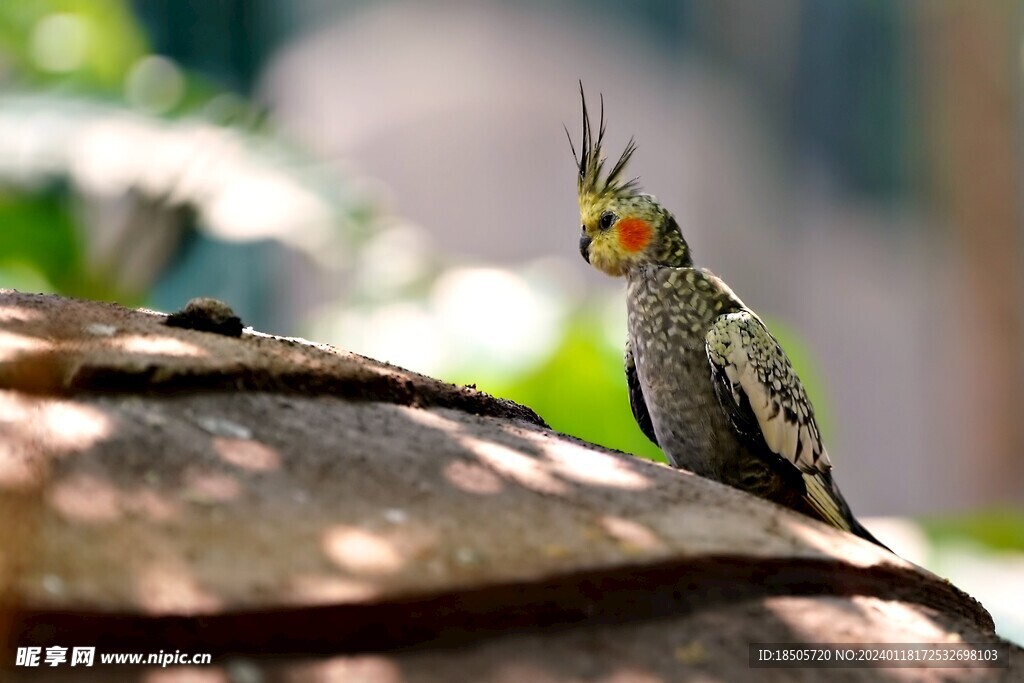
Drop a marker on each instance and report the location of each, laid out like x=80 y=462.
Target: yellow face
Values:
x=617 y=231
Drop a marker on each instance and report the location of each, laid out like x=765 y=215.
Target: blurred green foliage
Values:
x=62 y=63
x=97 y=42
x=103 y=33
x=41 y=249
x=997 y=529
x=39 y=246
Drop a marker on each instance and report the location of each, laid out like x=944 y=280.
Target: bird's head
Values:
x=621 y=228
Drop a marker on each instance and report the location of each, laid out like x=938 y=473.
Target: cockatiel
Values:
x=708 y=383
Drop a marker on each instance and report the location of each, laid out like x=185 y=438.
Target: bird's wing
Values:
x=768 y=406
x=636 y=397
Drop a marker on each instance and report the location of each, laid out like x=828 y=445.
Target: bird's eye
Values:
x=606 y=221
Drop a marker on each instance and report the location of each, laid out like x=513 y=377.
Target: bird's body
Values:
x=669 y=311
x=671 y=314
x=707 y=381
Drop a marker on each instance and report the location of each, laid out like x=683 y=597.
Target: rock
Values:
x=267 y=500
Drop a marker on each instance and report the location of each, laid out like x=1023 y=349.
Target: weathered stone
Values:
x=164 y=488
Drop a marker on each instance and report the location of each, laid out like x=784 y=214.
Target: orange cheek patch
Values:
x=634 y=234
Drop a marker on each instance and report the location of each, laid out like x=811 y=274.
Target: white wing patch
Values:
x=755 y=366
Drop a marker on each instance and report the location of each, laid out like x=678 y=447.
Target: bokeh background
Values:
x=392 y=177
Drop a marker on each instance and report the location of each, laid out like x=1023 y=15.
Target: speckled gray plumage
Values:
x=685 y=326
x=669 y=311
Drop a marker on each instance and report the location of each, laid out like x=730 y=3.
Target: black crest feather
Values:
x=590 y=161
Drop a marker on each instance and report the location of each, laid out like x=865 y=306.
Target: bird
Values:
x=707 y=381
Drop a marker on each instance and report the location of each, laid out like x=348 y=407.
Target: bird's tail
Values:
x=858 y=529
x=828 y=502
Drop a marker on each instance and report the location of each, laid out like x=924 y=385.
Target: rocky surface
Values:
x=267 y=500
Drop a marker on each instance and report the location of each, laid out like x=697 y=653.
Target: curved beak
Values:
x=585 y=247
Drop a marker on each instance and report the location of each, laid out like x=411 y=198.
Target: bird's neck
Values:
x=672 y=251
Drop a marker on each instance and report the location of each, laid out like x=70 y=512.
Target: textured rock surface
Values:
x=53 y=345
x=163 y=488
